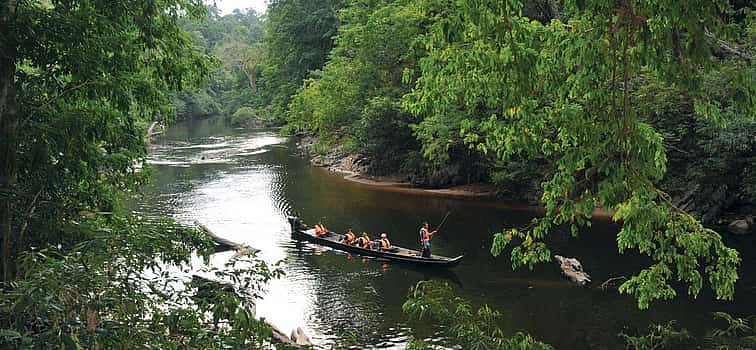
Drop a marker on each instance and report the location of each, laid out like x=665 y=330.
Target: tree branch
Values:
x=59 y=95
x=29 y=213
x=724 y=48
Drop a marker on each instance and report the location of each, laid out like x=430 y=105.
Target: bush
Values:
x=463 y=326
x=245 y=117
x=123 y=289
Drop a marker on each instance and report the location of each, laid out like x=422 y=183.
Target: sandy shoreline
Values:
x=478 y=190
x=351 y=168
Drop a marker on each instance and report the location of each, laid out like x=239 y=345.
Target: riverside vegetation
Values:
x=644 y=108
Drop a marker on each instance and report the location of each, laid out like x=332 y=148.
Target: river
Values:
x=243 y=183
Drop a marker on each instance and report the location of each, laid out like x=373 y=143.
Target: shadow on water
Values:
x=249 y=181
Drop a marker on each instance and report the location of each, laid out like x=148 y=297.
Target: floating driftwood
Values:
x=573 y=270
x=211 y=291
x=612 y=282
x=298 y=336
x=222 y=244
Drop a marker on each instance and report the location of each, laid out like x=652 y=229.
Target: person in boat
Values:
x=349 y=238
x=320 y=230
x=385 y=243
x=364 y=241
x=425 y=238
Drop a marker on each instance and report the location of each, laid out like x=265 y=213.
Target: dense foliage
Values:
x=84 y=78
x=590 y=97
x=641 y=108
x=79 y=82
x=737 y=334
x=235 y=41
x=298 y=38
x=433 y=302
x=124 y=289
x=580 y=115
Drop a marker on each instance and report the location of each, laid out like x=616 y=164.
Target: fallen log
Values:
x=297 y=338
x=222 y=244
x=151 y=131
x=573 y=270
x=612 y=282
x=278 y=335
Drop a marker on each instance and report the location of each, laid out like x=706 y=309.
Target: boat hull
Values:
x=402 y=255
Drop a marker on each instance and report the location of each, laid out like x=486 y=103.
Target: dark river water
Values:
x=242 y=184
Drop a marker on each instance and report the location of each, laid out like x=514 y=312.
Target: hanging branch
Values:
x=27 y=217
x=724 y=48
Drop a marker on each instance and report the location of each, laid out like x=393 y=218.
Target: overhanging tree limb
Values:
x=725 y=49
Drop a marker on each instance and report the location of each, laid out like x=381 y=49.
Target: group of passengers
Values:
x=383 y=244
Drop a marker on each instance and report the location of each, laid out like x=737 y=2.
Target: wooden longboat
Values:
x=399 y=254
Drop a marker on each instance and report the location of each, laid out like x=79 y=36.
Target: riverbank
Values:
x=353 y=167
x=246 y=198
x=717 y=212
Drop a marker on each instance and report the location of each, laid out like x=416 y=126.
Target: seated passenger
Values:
x=364 y=241
x=349 y=238
x=385 y=244
x=320 y=230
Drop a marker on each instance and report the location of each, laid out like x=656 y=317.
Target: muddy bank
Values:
x=718 y=209
x=354 y=168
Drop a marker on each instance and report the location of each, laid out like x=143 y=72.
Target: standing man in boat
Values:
x=425 y=238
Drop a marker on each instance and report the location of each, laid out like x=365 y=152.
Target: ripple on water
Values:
x=247 y=203
x=211 y=150
x=203 y=146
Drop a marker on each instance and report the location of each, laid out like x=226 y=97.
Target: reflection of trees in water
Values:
x=281 y=166
x=352 y=296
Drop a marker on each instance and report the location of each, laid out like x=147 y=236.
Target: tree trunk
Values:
x=250 y=78
x=8 y=137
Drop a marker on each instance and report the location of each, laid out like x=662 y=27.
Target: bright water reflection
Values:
x=242 y=184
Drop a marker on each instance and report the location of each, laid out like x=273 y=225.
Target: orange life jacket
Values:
x=350 y=237
x=425 y=236
x=385 y=244
x=365 y=242
x=320 y=230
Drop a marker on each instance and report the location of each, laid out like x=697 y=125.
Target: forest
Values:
x=644 y=110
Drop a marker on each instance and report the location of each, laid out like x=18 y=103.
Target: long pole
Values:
x=442 y=221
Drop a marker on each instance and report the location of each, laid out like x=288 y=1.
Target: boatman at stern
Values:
x=425 y=238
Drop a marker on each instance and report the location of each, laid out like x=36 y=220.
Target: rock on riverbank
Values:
x=355 y=168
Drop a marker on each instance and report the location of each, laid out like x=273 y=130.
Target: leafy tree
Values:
x=123 y=289
x=355 y=100
x=737 y=335
x=298 y=38
x=665 y=336
x=245 y=116
x=235 y=41
x=465 y=327
x=244 y=58
x=519 y=88
x=79 y=80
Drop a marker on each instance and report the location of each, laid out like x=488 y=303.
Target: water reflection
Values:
x=242 y=184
